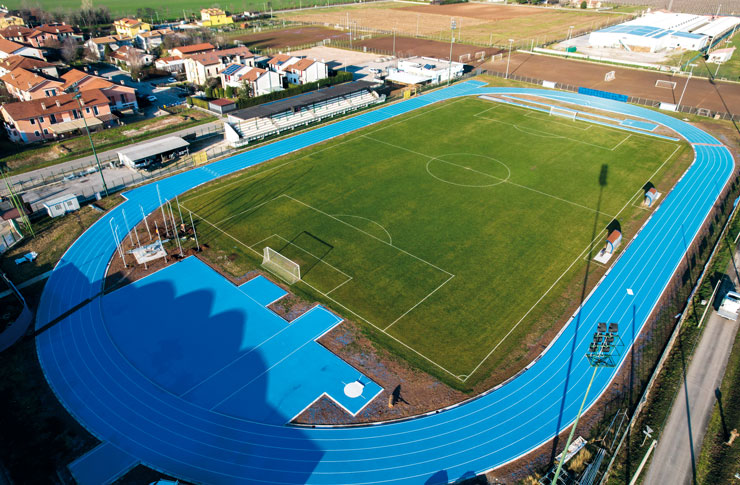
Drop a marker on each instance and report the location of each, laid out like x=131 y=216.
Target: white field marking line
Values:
x=492 y=176
x=248 y=210
x=349 y=138
x=337 y=302
x=542 y=133
x=576 y=260
x=561 y=276
x=261 y=241
x=390 y=239
x=381 y=330
x=370 y=235
x=418 y=303
x=534 y=115
x=339 y=285
x=312 y=255
x=472 y=169
x=625 y=139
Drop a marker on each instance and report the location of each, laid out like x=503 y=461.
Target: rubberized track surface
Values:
x=120 y=405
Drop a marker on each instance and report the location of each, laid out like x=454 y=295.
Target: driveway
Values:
x=680 y=442
x=165 y=95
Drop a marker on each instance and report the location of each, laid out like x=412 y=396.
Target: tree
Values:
x=584 y=4
x=107 y=52
x=229 y=92
x=69 y=50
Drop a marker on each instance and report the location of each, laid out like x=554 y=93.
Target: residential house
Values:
x=130 y=27
x=6 y=20
x=48 y=35
x=201 y=67
x=97 y=45
x=170 y=64
x=119 y=97
x=29 y=64
x=27 y=85
x=305 y=71
x=149 y=41
x=258 y=81
x=213 y=17
x=16 y=33
x=188 y=50
x=279 y=62
x=9 y=48
x=52 y=118
x=131 y=57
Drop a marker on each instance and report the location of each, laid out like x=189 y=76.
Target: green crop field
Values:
x=448 y=232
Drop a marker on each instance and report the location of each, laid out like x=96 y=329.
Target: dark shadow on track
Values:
x=603 y=176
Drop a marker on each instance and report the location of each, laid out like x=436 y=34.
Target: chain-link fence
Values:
x=86 y=166
x=693 y=110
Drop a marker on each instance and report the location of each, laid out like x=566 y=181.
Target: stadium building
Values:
x=660 y=31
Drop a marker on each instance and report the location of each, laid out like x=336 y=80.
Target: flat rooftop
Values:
x=306 y=99
x=144 y=150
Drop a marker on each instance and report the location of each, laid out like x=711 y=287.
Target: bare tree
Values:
x=69 y=50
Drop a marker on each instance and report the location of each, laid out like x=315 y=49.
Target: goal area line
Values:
x=327 y=294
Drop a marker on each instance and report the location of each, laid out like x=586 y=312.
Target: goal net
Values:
x=661 y=83
x=565 y=113
x=464 y=58
x=285 y=268
x=610 y=76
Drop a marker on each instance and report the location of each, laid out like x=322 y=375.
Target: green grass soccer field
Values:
x=448 y=231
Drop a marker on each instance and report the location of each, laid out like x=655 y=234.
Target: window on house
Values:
x=41 y=119
x=52 y=118
x=123 y=98
x=87 y=110
x=95 y=110
x=33 y=121
x=46 y=132
x=36 y=133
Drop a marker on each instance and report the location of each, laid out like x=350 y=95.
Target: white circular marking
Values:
x=354 y=389
x=498 y=180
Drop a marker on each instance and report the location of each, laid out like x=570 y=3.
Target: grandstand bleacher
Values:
x=257 y=122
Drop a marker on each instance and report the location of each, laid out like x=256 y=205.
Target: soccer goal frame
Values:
x=610 y=76
x=662 y=83
x=564 y=113
x=283 y=267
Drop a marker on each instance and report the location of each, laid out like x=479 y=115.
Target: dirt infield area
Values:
x=410 y=47
x=292 y=37
x=475 y=23
x=700 y=93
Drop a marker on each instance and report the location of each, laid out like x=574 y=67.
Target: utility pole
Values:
x=509 y=58
x=77 y=96
x=452 y=41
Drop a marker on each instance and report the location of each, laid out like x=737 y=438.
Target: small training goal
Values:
x=662 y=83
x=283 y=267
x=610 y=76
x=565 y=113
x=465 y=58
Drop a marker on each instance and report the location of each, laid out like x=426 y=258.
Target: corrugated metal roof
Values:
x=144 y=150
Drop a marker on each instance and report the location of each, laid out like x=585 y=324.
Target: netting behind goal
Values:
x=285 y=268
x=565 y=113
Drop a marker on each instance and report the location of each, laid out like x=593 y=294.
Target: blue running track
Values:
x=122 y=406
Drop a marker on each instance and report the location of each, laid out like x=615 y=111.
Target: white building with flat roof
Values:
x=423 y=70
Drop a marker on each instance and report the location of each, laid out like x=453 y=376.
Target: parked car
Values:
x=171 y=80
x=151 y=98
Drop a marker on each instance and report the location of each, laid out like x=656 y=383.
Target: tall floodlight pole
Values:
x=508 y=60
x=686 y=85
x=452 y=41
x=601 y=352
x=77 y=96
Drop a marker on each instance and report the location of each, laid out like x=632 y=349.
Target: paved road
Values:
x=85 y=162
x=680 y=442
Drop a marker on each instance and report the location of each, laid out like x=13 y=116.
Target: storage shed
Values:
x=222 y=106
x=651 y=196
x=144 y=154
x=61 y=205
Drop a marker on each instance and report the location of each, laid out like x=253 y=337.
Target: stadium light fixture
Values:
x=511 y=41
x=605 y=345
